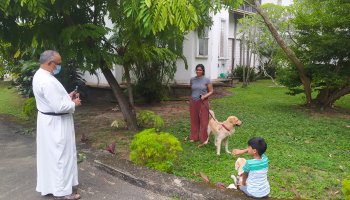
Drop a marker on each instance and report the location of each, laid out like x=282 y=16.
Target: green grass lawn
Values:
x=11 y=103
x=309 y=152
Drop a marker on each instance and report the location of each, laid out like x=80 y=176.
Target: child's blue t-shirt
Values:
x=257 y=184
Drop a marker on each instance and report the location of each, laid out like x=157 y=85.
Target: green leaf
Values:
x=148 y=3
x=17 y=54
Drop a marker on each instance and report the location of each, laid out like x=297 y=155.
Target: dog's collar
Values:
x=223 y=125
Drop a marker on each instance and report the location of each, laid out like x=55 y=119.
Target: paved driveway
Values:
x=18 y=173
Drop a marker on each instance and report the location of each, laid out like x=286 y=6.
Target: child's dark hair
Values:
x=202 y=67
x=259 y=144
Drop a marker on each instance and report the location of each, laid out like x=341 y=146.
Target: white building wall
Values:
x=237 y=52
x=221 y=64
x=99 y=80
x=182 y=74
x=213 y=65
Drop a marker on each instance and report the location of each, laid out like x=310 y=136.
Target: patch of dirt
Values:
x=93 y=122
x=331 y=112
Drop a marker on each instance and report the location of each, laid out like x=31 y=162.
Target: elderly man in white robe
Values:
x=57 y=170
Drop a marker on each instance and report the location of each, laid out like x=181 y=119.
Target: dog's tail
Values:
x=212 y=115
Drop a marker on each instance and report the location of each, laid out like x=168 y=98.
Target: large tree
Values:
x=286 y=48
x=318 y=56
x=76 y=28
x=322 y=43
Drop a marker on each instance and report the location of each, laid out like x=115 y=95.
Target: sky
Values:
x=284 y=2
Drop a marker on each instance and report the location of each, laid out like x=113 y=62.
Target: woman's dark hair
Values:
x=259 y=144
x=202 y=67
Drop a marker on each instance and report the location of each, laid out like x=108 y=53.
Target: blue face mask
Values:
x=57 y=70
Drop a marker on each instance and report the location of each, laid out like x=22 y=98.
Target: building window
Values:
x=223 y=38
x=203 y=43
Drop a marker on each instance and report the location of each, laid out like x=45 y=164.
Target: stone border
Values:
x=162 y=183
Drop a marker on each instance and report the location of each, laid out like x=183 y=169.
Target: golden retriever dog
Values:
x=221 y=130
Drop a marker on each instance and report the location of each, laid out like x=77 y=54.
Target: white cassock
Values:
x=57 y=168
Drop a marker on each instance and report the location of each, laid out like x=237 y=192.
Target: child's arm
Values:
x=237 y=152
x=244 y=178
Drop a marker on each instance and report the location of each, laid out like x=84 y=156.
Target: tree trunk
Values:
x=240 y=52
x=327 y=98
x=127 y=110
x=243 y=53
x=254 y=61
x=290 y=53
x=248 y=62
x=128 y=85
x=250 y=54
x=244 y=61
x=342 y=92
x=264 y=70
x=322 y=97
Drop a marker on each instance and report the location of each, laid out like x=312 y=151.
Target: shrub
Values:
x=119 y=124
x=70 y=77
x=287 y=76
x=238 y=72
x=346 y=188
x=29 y=108
x=149 y=90
x=148 y=119
x=2 y=72
x=156 y=151
x=153 y=76
x=24 y=73
x=270 y=70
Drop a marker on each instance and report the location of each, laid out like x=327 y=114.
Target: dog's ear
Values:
x=235 y=120
x=232 y=119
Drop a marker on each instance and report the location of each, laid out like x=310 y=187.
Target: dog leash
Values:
x=200 y=96
x=223 y=125
x=212 y=115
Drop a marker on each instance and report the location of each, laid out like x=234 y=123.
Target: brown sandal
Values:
x=69 y=197
x=201 y=144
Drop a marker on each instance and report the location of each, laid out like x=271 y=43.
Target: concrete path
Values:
x=18 y=173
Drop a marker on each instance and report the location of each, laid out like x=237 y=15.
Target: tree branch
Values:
x=290 y=53
x=290 y=36
x=337 y=95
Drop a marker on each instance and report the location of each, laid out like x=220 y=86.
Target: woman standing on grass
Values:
x=201 y=89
